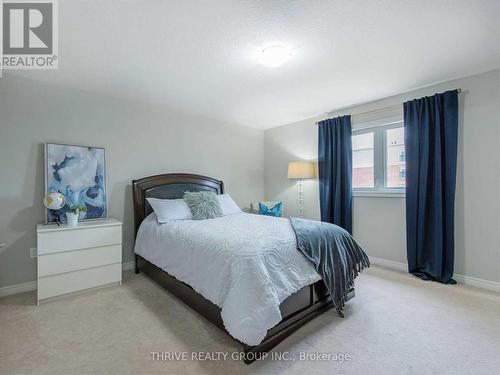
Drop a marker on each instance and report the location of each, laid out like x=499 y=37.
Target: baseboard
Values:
x=128 y=266
x=389 y=264
x=31 y=285
x=17 y=288
x=461 y=279
x=478 y=283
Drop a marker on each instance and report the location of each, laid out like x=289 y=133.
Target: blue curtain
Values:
x=335 y=171
x=431 y=134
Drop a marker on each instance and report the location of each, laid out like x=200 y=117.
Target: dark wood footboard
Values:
x=296 y=310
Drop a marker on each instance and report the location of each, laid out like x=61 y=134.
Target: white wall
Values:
x=140 y=141
x=379 y=223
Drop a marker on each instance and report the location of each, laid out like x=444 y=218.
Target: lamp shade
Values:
x=300 y=169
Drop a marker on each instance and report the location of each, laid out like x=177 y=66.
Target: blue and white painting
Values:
x=78 y=173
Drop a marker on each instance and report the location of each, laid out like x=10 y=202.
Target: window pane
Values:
x=362 y=161
x=395 y=153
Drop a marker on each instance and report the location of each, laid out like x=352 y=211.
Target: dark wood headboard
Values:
x=168 y=186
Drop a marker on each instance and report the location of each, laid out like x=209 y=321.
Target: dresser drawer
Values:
x=64 y=283
x=66 y=240
x=51 y=264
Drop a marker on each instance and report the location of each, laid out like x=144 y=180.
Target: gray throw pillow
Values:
x=203 y=205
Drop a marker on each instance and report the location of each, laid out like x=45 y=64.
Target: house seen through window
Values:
x=378 y=158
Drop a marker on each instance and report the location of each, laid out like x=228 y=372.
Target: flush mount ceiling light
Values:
x=274 y=56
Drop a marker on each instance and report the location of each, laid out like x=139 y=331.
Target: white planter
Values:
x=72 y=219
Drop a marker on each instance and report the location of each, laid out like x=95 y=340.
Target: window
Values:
x=395 y=156
x=378 y=159
x=362 y=161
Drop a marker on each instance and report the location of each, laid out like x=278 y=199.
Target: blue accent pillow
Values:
x=271 y=208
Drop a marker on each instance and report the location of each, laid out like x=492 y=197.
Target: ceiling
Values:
x=199 y=56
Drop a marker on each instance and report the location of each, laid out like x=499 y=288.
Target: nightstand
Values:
x=72 y=259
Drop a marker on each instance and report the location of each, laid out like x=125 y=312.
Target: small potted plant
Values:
x=82 y=211
x=72 y=215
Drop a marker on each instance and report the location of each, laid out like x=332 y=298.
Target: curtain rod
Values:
x=459 y=90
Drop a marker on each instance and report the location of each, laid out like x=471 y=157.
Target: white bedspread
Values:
x=246 y=264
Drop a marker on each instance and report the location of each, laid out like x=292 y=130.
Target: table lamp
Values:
x=300 y=170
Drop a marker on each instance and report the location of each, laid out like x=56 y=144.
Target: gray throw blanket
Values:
x=334 y=253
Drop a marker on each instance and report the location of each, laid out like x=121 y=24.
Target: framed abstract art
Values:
x=78 y=173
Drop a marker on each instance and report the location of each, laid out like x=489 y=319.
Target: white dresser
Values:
x=71 y=259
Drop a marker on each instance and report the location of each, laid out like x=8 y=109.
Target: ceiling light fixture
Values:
x=274 y=56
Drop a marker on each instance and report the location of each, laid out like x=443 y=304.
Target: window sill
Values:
x=379 y=194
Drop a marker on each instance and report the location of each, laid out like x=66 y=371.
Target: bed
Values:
x=310 y=297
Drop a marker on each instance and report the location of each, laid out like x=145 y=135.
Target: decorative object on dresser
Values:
x=73 y=214
x=300 y=170
x=72 y=259
x=79 y=174
x=54 y=201
x=271 y=208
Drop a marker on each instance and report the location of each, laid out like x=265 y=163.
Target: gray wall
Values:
x=32 y=113
x=140 y=140
x=379 y=223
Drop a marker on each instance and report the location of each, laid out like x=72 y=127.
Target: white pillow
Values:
x=229 y=207
x=170 y=209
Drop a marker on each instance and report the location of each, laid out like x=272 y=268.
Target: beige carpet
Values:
x=397 y=324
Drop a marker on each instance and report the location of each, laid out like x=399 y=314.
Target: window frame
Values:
x=379 y=162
